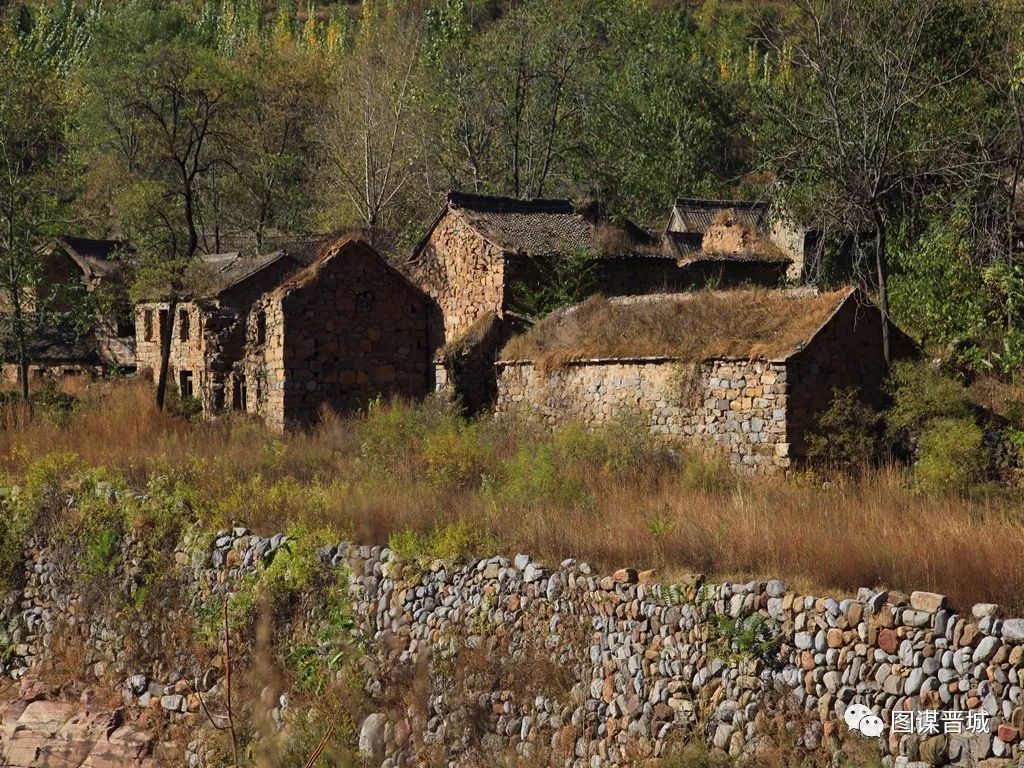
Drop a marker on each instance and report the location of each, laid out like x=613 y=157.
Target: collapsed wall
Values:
x=602 y=669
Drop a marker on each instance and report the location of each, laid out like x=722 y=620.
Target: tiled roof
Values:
x=535 y=227
x=230 y=269
x=59 y=342
x=695 y=216
x=93 y=256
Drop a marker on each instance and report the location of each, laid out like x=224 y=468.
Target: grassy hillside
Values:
x=428 y=481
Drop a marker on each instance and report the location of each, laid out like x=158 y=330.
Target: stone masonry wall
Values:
x=463 y=273
x=736 y=407
x=646 y=662
x=353 y=330
x=187 y=355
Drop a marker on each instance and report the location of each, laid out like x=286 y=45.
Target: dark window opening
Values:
x=163 y=325
x=185 y=384
x=364 y=300
x=148 y=324
x=238 y=394
x=184 y=328
x=218 y=397
x=125 y=326
x=261 y=327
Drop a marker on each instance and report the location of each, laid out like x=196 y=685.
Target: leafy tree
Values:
x=268 y=187
x=165 y=110
x=871 y=117
x=33 y=133
x=665 y=125
x=367 y=149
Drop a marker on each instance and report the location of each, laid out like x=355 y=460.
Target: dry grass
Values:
x=996 y=396
x=754 y=323
x=483 y=328
x=612 y=239
x=613 y=499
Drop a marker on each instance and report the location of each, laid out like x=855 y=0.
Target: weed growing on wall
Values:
x=325 y=642
x=752 y=638
x=24 y=509
x=450 y=542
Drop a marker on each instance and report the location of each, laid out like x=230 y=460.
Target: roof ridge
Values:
x=497 y=204
x=709 y=203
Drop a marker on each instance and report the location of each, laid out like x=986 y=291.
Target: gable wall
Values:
x=737 y=408
x=463 y=273
x=845 y=354
x=355 y=332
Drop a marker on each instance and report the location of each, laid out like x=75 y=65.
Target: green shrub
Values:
x=709 y=473
x=532 y=478
x=458 y=456
x=846 y=435
x=950 y=455
x=919 y=394
x=450 y=541
x=100 y=549
x=255 y=499
x=294 y=568
x=324 y=643
x=25 y=510
x=391 y=433
x=624 y=447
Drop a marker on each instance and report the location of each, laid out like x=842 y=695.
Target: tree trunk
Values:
x=882 y=270
x=23 y=367
x=166 y=335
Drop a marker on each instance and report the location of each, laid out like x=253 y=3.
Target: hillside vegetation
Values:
x=431 y=483
x=893 y=129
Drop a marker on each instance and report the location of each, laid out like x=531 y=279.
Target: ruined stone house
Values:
x=71 y=267
x=209 y=331
x=742 y=372
x=691 y=221
x=324 y=321
x=483 y=257
x=347 y=329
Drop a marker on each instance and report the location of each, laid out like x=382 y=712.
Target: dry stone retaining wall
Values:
x=648 y=662
x=738 y=407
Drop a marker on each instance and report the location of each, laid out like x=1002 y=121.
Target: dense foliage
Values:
x=894 y=128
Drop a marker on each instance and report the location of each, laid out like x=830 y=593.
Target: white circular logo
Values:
x=854 y=714
x=859 y=718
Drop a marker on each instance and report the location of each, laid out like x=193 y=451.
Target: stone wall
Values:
x=737 y=407
x=846 y=354
x=347 y=330
x=643 y=663
x=463 y=273
x=186 y=355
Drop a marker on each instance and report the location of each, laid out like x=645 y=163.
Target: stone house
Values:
x=691 y=219
x=72 y=266
x=483 y=257
x=209 y=331
x=743 y=372
x=345 y=330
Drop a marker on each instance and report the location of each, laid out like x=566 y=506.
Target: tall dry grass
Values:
x=614 y=499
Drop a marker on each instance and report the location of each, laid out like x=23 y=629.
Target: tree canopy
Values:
x=895 y=128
